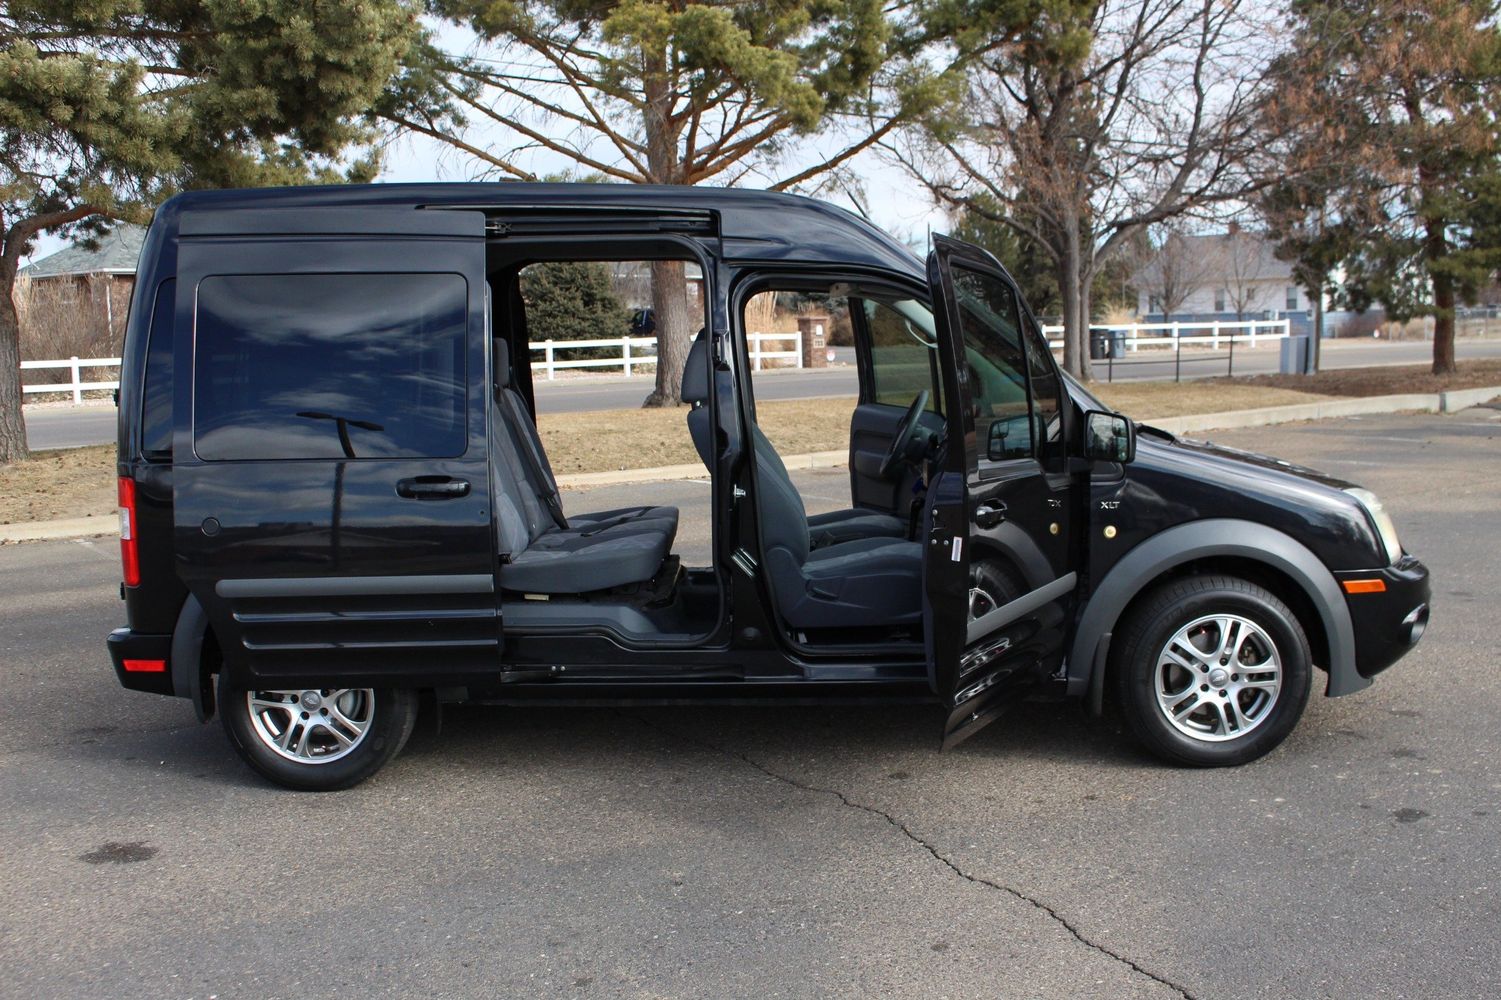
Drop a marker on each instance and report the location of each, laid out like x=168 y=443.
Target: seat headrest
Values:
x=696 y=371
x=502 y=364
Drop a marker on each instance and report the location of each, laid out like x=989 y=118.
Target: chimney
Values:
x=1234 y=228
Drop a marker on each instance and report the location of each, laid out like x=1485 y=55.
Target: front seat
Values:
x=861 y=581
x=830 y=528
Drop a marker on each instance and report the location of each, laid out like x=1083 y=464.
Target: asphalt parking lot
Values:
x=728 y=852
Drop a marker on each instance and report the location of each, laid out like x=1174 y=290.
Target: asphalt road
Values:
x=70 y=427
x=789 y=852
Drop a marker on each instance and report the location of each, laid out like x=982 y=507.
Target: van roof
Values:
x=753 y=225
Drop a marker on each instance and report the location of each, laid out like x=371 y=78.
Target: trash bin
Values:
x=1099 y=345
x=1117 y=344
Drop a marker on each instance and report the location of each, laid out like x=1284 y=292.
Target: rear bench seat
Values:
x=545 y=552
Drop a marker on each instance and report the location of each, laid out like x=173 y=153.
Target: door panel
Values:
x=872 y=428
x=331 y=473
x=998 y=583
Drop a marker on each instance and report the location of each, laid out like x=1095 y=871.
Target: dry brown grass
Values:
x=1387 y=381
x=1147 y=400
x=609 y=440
x=76 y=482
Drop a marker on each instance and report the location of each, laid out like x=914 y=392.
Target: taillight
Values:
x=130 y=557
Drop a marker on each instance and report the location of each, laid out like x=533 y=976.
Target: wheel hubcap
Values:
x=1218 y=678
x=311 y=726
x=981 y=602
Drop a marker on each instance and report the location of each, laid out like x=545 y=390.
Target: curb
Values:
x=1441 y=402
x=71 y=527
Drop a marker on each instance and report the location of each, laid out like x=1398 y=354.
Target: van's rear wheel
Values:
x=317 y=739
x=1212 y=671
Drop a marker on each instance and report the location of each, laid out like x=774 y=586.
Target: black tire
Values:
x=392 y=718
x=989 y=588
x=1137 y=655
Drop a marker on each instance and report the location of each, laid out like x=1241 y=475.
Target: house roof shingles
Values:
x=117 y=253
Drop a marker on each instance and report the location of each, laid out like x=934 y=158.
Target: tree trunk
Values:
x=1086 y=317
x=1075 y=302
x=1443 y=300
x=669 y=299
x=12 y=423
x=1318 y=326
x=669 y=285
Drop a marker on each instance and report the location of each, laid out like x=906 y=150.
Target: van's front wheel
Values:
x=317 y=739
x=1212 y=671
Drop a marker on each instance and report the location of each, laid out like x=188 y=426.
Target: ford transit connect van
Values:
x=335 y=500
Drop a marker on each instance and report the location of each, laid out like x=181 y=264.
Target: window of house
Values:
x=1219 y=300
x=1292 y=296
x=1154 y=304
x=330 y=366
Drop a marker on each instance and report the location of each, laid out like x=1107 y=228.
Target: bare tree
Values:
x=1243 y=256
x=1156 y=122
x=665 y=93
x=1177 y=267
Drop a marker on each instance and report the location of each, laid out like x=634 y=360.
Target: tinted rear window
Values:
x=330 y=366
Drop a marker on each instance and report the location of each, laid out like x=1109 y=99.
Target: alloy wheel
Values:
x=312 y=726
x=1218 y=678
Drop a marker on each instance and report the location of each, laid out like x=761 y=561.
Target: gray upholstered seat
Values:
x=852 y=582
x=829 y=528
x=545 y=552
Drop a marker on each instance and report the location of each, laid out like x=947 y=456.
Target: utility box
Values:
x=1296 y=357
x=815 y=331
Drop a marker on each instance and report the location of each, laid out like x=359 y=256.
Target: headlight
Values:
x=1383 y=521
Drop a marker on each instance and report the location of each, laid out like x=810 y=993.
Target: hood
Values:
x=1232 y=460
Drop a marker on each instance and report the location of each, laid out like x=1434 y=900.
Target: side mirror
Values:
x=995 y=448
x=1109 y=437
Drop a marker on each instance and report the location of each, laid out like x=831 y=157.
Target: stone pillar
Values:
x=815 y=331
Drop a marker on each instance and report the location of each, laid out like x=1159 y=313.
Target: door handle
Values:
x=432 y=488
x=988 y=515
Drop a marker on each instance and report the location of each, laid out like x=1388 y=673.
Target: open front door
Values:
x=996 y=566
x=331 y=484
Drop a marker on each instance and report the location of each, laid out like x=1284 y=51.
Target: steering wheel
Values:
x=906 y=433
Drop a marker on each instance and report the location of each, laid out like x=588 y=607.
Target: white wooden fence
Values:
x=1201 y=332
x=759 y=353
x=635 y=351
x=643 y=351
x=76 y=386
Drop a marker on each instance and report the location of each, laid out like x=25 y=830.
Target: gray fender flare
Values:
x=1202 y=540
x=188 y=679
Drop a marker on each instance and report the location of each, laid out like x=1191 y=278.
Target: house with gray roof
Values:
x=1228 y=276
x=81 y=286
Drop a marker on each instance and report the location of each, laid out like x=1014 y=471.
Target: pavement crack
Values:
x=943 y=859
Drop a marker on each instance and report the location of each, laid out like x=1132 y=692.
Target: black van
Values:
x=335 y=500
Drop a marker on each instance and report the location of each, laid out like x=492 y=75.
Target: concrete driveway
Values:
x=789 y=852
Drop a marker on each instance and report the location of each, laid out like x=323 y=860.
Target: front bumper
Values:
x=1390 y=621
x=142 y=662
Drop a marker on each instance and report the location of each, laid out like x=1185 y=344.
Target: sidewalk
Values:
x=1443 y=402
